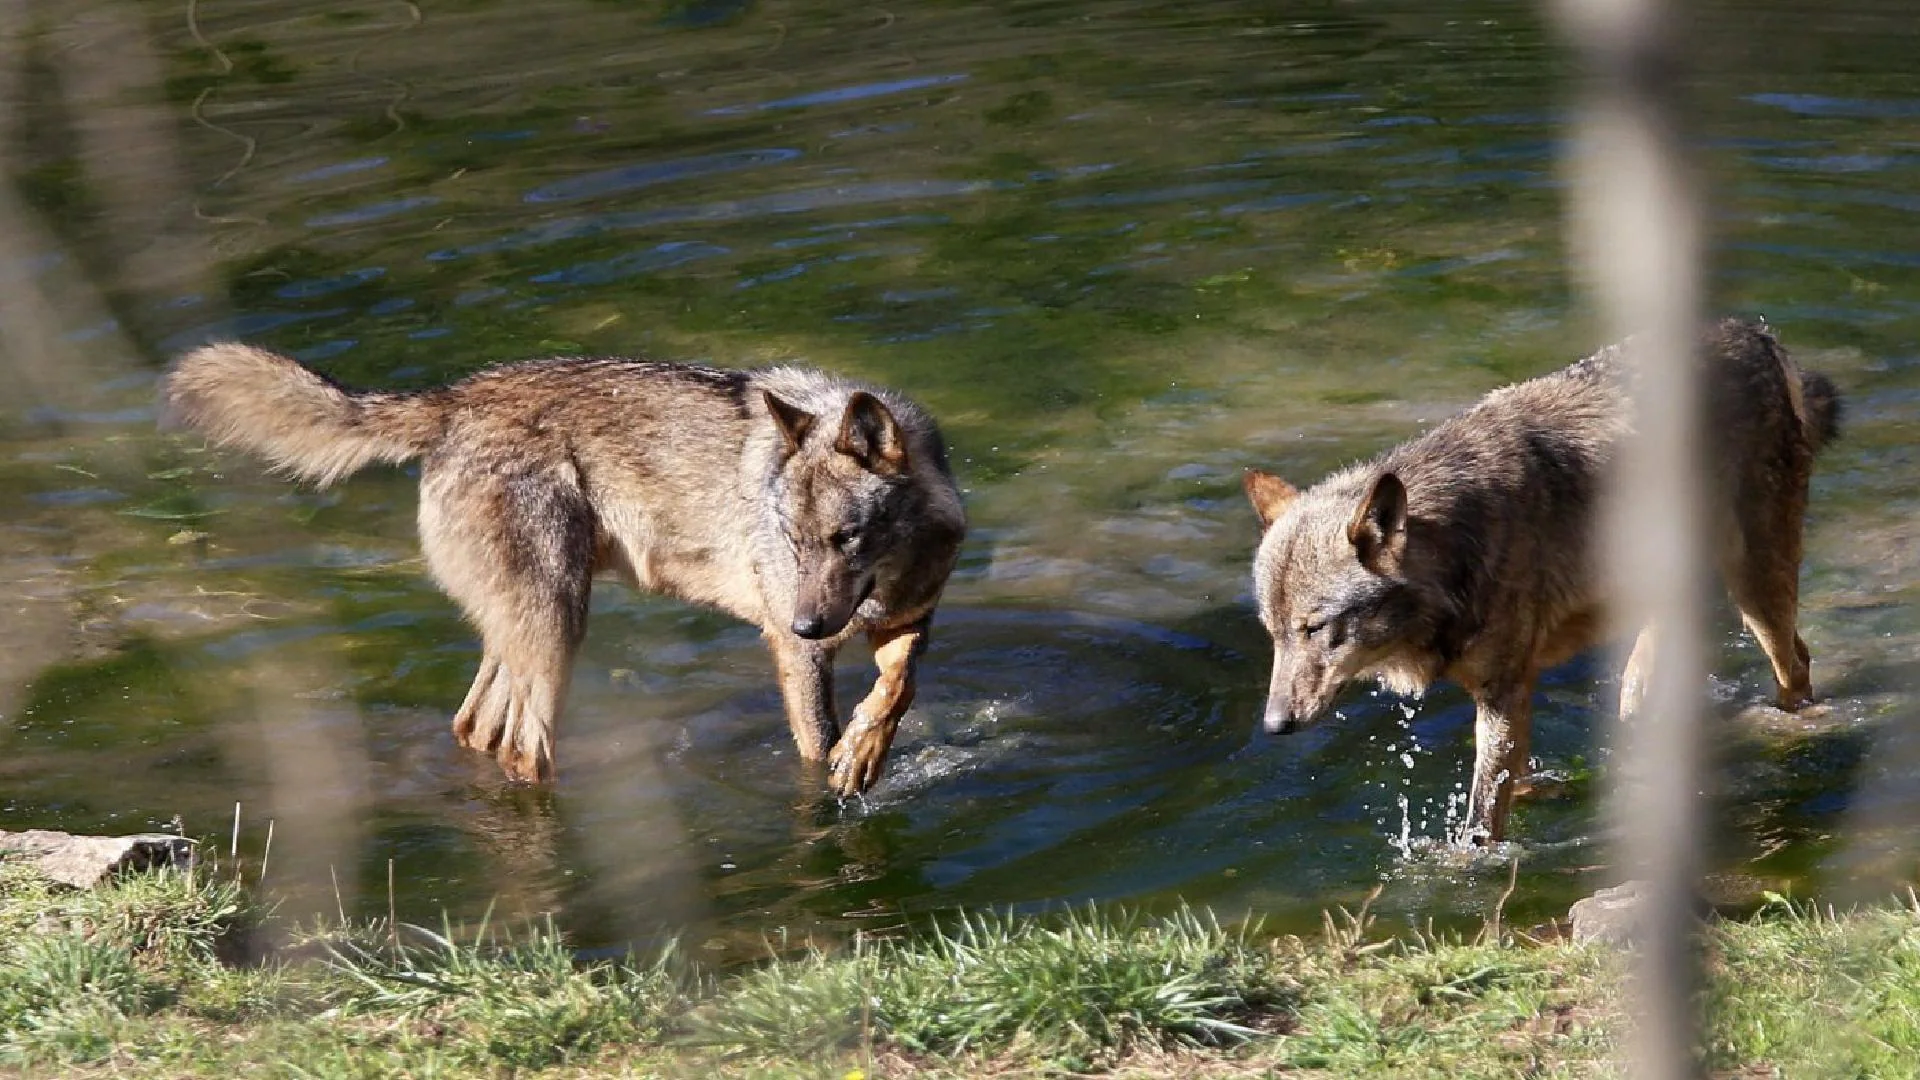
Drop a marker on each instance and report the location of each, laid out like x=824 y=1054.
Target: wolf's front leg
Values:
x=862 y=752
x=806 y=689
x=1502 y=737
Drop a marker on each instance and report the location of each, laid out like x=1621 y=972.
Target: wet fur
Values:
x=1468 y=554
x=813 y=507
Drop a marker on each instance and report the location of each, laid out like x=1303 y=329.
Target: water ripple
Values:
x=787 y=202
x=835 y=96
x=1821 y=105
x=634 y=177
x=360 y=215
x=659 y=257
x=327 y=172
x=302 y=290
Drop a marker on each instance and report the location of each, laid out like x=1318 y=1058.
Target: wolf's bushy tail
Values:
x=300 y=421
x=1822 y=400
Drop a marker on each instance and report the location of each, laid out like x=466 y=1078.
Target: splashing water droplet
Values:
x=1404 y=845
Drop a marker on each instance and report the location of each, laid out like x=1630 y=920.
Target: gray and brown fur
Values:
x=813 y=507
x=1469 y=553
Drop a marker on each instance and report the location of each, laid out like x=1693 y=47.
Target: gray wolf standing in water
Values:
x=1469 y=553
x=813 y=507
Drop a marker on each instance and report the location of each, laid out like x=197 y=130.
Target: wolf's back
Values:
x=300 y=421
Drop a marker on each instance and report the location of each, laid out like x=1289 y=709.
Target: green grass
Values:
x=523 y=1004
x=1077 y=989
x=153 y=976
x=1836 y=995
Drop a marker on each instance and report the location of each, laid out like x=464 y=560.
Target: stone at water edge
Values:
x=1610 y=916
x=86 y=861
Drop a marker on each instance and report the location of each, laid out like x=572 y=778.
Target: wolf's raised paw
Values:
x=856 y=761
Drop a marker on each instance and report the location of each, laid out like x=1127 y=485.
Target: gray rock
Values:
x=86 y=861
x=1610 y=916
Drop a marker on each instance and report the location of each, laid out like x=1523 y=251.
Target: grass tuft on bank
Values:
x=519 y=1002
x=155 y=975
x=1082 y=986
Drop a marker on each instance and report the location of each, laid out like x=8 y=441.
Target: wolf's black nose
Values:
x=811 y=627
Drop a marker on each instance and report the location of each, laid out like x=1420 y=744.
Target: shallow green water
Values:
x=1121 y=250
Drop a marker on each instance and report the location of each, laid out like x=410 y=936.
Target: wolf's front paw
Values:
x=856 y=761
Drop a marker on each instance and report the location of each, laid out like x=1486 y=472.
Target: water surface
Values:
x=1122 y=250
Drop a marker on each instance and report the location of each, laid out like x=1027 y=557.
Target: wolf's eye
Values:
x=844 y=539
x=1310 y=627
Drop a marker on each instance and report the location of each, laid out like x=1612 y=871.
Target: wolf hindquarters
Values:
x=1773 y=424
x=506 y=533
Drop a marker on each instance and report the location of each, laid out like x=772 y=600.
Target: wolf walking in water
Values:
x=1469 y=553
x=813 y=507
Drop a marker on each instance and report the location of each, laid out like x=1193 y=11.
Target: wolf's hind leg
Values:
x=514 y=548
x=1773 y=622
x=480 y=721
x=529 y=692
x=1763 y=579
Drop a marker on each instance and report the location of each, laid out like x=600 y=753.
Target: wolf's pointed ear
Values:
x=870 y=435
x=1379 y=526
x=793 y=422
x=1269 y=495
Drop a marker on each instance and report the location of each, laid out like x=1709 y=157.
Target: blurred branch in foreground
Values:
x=1637 y=233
